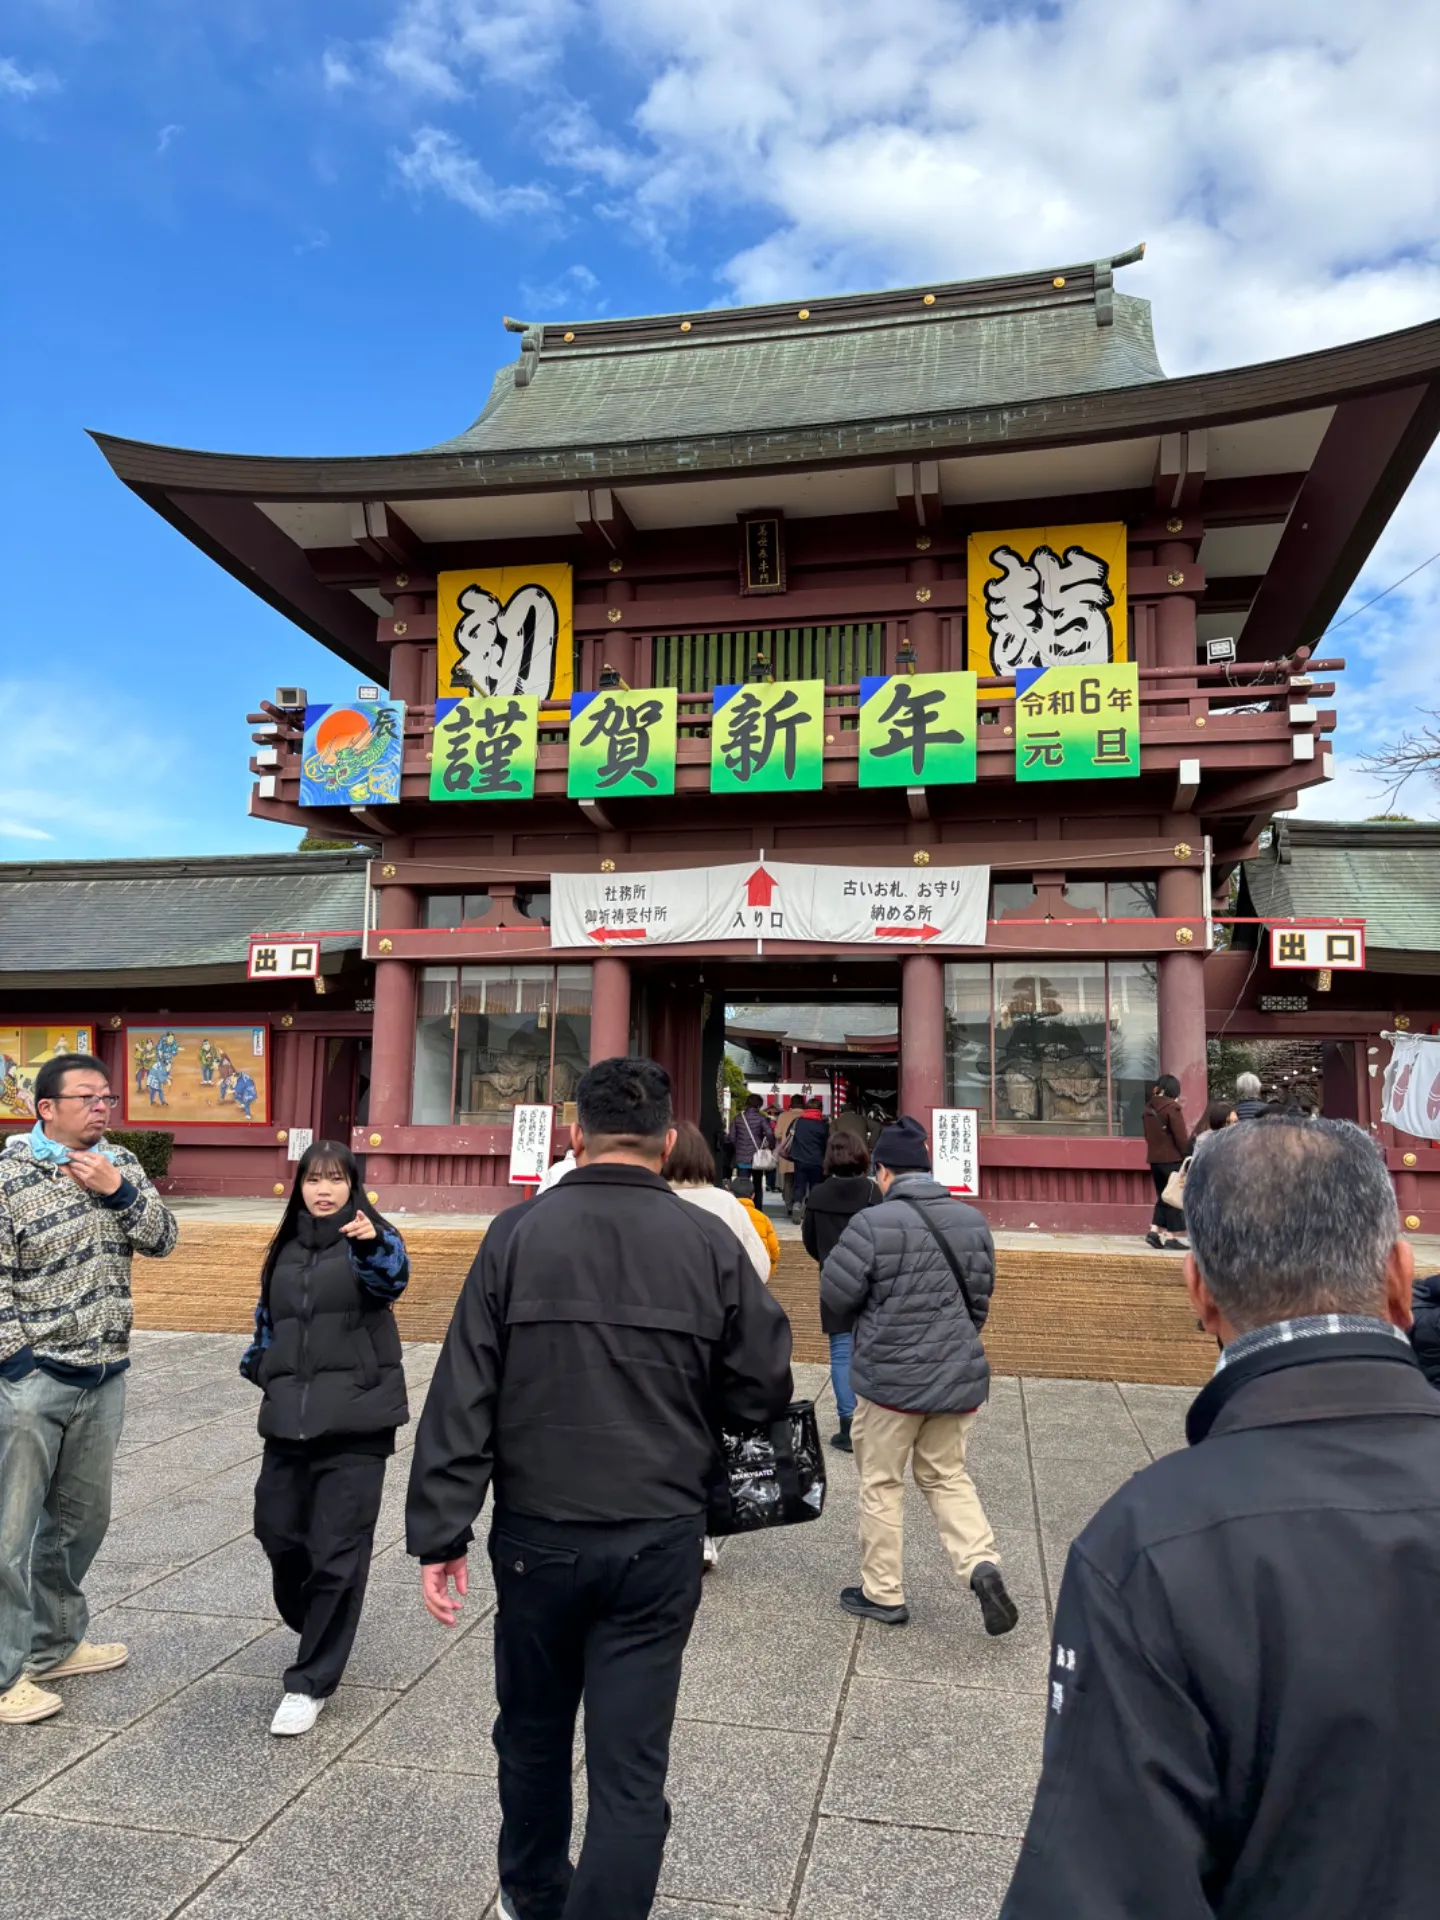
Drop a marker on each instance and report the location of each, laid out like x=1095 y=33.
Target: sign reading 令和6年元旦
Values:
x=1077 y=723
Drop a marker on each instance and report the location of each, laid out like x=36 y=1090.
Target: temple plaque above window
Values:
x=762 y=552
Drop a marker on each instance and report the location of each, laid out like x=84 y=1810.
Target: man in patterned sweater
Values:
x=72 y=1211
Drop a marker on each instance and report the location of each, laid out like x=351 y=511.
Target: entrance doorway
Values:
x=843 y=1052
x=340 y=1087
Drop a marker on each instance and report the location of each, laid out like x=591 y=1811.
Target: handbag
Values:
x=771 y=1476
x=1174 y=1190
x=764 y=1159
x=948 y=1251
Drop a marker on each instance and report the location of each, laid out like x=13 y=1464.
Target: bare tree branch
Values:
x=1414 y=752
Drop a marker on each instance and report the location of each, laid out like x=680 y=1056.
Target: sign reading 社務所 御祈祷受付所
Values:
x=879 y=907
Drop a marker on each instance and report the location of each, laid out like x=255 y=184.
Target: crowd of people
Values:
x=1236 y=1722
x=1171 y=1147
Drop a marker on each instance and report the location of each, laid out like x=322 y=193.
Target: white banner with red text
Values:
x=762 y=900
x=1410 y=1099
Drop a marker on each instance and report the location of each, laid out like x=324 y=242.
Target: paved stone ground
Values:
x=822 y=1769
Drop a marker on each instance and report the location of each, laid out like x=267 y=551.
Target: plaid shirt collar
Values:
x=1309 y=1327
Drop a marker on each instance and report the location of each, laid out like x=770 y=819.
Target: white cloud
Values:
x=143 y=793
x=436 y=48
x=438 y=162
x=572 y=292
x=16 y=830
x=21 y=85
x=337 y=70
x=167 y=136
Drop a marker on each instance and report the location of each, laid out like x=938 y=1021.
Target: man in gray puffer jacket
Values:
x=913 y=1278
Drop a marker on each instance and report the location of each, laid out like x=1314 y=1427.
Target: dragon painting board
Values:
x=353 y=754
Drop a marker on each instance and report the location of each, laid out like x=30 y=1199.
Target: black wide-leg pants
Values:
x=601 y=1612
x=315 y=1517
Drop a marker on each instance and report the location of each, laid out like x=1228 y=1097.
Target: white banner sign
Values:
x=1342 y=949
x=955 y=1148
x=530 y=1144
x=876 y=907
x=1411 y=1097
x=300 y=1141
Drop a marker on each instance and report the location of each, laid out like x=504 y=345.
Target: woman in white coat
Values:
x=691 y=1173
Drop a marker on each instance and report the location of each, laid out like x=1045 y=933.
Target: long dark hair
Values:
x=324 y=1156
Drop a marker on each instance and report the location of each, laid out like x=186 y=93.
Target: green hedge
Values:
x=151 y=1149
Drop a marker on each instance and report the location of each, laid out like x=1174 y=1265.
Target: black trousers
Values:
x=601 y=1612
x=1165 y=1219
x=315 y=1517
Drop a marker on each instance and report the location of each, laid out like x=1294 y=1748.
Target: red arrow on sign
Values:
x=927 y=932
x=603 y=934
x=760 y=888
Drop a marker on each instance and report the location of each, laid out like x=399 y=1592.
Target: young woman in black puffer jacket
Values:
x=326 y=1355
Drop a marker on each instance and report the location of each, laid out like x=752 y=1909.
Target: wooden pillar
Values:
x=406 y=656
x=393 y=1047
x=924 y=625
x=1182 y=991
x=1175 y=623
x=609 y=1007
x=922 y=1036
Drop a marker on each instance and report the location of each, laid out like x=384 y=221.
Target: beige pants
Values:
x=883 y=1442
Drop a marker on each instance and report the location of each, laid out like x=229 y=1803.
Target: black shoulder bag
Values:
x=770 y=1476
x=949 y=1253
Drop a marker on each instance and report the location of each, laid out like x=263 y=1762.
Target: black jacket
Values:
x=1425 y=1333
x=332 y=1361
x=829 y=1209
x=805 y=1146
x=1240 y=1712
x=602 y=1332
x=917 y=1345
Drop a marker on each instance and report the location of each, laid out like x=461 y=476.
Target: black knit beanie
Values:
x=903 y=1147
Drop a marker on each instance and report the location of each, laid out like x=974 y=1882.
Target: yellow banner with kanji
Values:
x=1046 y=597
x=505 y=630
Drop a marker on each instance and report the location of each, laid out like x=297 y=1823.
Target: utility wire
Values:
x=1380 y=596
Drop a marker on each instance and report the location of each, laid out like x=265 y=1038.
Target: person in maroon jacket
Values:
x=1167 y=1141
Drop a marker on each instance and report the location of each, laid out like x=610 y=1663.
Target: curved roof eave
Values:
x=1327 y=377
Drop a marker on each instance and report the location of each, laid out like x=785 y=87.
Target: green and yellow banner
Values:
x=622 y=742
x=1078 y=723
x=768 y=738
x=484 y=748
x=917 y=729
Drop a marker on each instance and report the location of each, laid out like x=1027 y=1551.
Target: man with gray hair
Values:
x=1248 y=1103
x=1239 y=1709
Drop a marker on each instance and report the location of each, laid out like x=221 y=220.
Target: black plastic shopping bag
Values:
x=770 y=1476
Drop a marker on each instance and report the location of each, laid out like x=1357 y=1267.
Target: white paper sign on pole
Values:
x=877 y=907
x=301 y=1139
x=530 y=1129
x=955 y=1148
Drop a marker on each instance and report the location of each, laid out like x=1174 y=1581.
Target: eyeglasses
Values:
x=108 y=1100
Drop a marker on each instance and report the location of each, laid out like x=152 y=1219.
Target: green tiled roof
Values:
x=122 y=916
x=977 y=344
x=1389 y=872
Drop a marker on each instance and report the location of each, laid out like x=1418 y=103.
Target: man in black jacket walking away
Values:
x=1237 y=1715
x=913 y=1278
x=604 y=1331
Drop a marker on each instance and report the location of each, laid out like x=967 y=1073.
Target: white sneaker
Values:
x=296 y=1713
x=710 y=1554
x=504 y=1910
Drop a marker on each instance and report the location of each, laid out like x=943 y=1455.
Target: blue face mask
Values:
x=50 y=1152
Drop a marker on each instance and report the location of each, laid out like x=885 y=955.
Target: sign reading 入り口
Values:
x=282 y=959
x=917 y=729
x=502 y=630
x=955 y=1148
x=878 y=907
x=1047 y=597
x=352 y=754
x=622 y=743
x=485 y=748
x=530 y=1144
x=762 y=553
x=1078 y=723
x=768 y=737
x=1340 y=948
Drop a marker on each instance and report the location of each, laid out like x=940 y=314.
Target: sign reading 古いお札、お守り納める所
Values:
x=879 y=907
x=530 y=1130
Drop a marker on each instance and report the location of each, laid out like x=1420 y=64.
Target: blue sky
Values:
x=294 y=228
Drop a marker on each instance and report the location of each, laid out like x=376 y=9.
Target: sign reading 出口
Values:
x=622 y=742
x=1342 y=949
x=768 y=737
x=485 y=747
x=1078 y=723
x=917 y=729
x=878 y=907
x=282 y=959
